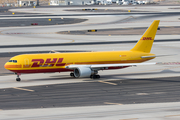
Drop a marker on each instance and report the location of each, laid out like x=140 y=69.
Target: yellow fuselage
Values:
x=56 y=62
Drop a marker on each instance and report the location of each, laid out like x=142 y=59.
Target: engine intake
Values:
x=82 y=72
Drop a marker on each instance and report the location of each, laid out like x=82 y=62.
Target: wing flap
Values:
x=120 y=65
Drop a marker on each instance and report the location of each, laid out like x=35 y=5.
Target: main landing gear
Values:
x=18 y=78
x=94 y=76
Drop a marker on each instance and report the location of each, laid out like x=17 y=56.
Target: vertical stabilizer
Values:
x=146 y=41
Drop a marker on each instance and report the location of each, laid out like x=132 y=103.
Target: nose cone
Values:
x=12 y=66
x=6 y=66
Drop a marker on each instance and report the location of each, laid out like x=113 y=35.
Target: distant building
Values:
x=26 y=3
x=70 y=2
x=127 y=0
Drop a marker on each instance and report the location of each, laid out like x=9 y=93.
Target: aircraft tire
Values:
x=18 y=79
x=95 y=76
x=72 y=74
x=91 y=76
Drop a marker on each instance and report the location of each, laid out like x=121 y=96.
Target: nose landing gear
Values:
x=18 y=78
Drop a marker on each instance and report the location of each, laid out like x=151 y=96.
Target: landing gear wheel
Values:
x=95 y=76
x=91 y=76
x=72 y=74
x=18 y=79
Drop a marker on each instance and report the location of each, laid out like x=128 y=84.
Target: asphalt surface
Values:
x=103 y=10
x=124 y=31
x=97 y=14
x=81 y=43
x=38 y=21
x=135 y=91
x=11 y=54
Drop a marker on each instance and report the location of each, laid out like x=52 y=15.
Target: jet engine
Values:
x=82 y=72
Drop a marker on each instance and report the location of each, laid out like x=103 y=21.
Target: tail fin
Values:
x=146 y=41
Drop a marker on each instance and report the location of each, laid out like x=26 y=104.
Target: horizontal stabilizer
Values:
x=53 y=51
x=157 y=56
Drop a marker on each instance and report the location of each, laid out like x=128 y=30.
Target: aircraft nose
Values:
x=9 y=66
x=6 y=65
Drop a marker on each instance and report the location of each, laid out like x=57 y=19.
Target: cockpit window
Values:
x=14 y=61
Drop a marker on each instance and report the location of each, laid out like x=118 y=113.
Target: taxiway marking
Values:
x=23 y=89
x=172 y=115
x=112 y=103
x=108 y=83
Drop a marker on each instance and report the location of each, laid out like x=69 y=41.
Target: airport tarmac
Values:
x=92 y=92
x=142 y=92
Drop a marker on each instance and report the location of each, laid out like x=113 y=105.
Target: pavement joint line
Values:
x=108 y=82
x=171 y=115
x=130 y=119
x=112 y=103
x=23 y=89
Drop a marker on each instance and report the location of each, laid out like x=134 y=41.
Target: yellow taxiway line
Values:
x=112 y=103
x=172 y=115
x=108 y=82
x=23 y=89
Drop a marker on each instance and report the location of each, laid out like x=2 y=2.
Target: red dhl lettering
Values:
x=147 y=38
x=37 y=62
x=59 y=62
x=48 y=62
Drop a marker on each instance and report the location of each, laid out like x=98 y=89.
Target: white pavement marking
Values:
x=112 y=103
x=23 y=89
x=108 y=83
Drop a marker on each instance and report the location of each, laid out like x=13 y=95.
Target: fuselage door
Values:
x=26 y=63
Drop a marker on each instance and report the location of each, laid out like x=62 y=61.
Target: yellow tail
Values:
x=146 y=41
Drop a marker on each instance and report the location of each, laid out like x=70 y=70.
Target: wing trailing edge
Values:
x=108 y=65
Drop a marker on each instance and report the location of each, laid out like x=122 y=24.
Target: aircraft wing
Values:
x=108 y=65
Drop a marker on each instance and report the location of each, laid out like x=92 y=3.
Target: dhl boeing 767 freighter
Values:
x=86 y=64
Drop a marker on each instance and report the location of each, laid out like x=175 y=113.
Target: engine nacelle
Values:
x=82 y=72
